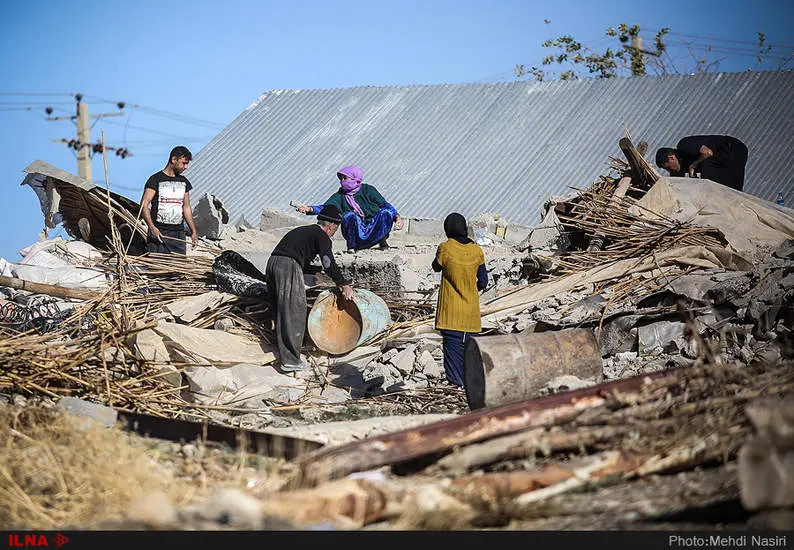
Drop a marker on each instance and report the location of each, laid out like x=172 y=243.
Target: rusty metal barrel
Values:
x=498 y=370
x=338 y=326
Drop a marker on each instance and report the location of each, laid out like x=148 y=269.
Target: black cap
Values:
x=330 y=213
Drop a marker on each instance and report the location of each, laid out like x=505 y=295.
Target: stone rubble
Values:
x=746 y=315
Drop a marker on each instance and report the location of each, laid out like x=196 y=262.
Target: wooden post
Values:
x=50 y=290
x=644 y=172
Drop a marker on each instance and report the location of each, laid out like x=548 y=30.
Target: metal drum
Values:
x=498 y=370
x=338 y=326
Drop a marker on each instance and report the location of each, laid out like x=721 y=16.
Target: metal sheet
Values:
x=425 y=147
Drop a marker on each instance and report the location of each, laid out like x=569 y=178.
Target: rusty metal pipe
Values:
x=504 y=369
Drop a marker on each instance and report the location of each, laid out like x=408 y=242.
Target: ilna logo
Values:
x=16 y=540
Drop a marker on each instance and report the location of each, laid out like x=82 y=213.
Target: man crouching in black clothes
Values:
x=286 y=289
x=718 y=158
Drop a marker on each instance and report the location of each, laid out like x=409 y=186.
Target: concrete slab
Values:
x=276 y=218
x=425 y=227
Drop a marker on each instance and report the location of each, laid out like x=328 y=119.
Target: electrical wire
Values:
x=35 y=103
x=725 y=50
x=30 y=94
x=712 y=39
x=150 y=130
x=165 y=114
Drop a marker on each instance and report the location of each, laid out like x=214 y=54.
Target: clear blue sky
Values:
x=209 y=60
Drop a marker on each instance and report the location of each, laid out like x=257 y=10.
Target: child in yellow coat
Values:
x=462 y=265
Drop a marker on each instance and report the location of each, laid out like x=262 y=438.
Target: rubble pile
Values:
x=688 y=289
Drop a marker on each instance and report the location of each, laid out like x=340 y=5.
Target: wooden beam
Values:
x=644 y=172
x=49 y=290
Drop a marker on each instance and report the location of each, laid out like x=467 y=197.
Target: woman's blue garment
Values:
x=361 y=235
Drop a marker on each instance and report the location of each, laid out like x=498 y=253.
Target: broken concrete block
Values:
x=515 y=233
x=767 y=352
x=661 y=337
x=404 y=361
x=331 y=395
x=274 y=218
x=424 y=227
x=388 y=355
x=94 y=412
x=209 y=216
x=112 y=354
x=283 y=395
x=410 y=279
x=225 y=324
x=618 y=334
x=585 y=309
x=545 y=235
x=429 y=366
x=243 y=223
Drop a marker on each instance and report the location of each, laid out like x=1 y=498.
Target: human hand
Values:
x=347 y=292
x=304 y=209
x=705 y=152
x=156 y=234
x=398 y=222
x=194 y=238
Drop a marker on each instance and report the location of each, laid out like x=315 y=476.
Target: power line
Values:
x=712 y=39
x=36 y=103
x=29 y=94
x=152 y=131
x=740 y=49
x=726 y=50
x=167 y=114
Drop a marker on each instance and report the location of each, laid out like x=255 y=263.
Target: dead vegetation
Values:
x=60 y=471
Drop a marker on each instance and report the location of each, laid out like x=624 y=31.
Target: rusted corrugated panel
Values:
x=171 y=429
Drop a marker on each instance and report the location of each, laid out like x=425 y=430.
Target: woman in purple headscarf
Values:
x=367 y=218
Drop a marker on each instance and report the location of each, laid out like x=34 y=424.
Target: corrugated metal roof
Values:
x=500 y=147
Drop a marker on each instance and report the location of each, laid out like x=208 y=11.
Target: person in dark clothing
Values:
x=167 y=193
x=290 y=259
x=367 y=217
x=718 y=158
x=462 y=265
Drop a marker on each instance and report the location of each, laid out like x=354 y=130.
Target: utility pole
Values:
x=636 y=51
x=83 y=144
x=83 y=138
x=637 y=61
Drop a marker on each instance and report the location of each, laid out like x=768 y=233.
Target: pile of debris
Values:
x=688 y=287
